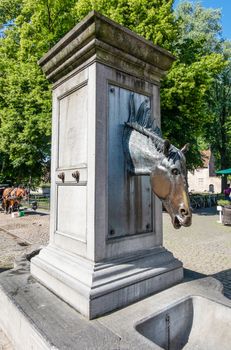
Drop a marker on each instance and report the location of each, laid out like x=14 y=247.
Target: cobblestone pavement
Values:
x=204 y=247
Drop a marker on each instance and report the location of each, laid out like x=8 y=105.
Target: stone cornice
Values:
x=100 y=39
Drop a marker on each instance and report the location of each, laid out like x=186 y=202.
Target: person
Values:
x=227 y=193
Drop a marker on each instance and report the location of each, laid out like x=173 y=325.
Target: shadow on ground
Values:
x=4 y=269
x=223 y=276
x=39 y=213
x=190 y=275
x=206 y=211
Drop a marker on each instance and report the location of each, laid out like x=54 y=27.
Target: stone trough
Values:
x=192 y=323
x=34 y=318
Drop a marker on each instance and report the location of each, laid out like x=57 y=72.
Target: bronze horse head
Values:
x=168 y=181
x=148 y=154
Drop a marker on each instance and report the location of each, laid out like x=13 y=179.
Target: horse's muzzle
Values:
x=182 y=220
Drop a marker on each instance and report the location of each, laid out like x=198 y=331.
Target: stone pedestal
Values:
x=105 y=247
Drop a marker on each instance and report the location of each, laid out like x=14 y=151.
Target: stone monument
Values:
x=105 y=248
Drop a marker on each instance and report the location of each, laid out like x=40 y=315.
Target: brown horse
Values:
x=12 y=197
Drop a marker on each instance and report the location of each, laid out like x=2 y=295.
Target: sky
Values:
x=225 y=6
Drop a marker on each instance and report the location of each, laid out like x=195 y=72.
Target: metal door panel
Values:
x=129 y=197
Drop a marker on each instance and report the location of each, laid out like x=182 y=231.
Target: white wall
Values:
x=200 y=181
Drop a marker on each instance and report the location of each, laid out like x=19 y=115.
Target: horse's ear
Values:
x=185 y=148
x=167 y=146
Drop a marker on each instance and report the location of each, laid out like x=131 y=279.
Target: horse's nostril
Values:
x=183 y=212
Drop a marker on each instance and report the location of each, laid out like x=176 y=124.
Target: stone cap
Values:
x=97 y=38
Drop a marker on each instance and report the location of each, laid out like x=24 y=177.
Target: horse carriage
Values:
x=11 y=198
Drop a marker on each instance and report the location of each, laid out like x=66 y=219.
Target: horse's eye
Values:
x=175 y=171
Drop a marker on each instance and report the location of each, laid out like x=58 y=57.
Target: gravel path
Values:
x=20 y=235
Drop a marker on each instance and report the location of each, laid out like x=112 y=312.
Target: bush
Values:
x=223 y=202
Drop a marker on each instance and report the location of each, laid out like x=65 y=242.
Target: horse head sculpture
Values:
x=148 y=154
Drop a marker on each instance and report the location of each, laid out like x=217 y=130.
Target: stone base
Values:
x=34 y=318
x=94 y=289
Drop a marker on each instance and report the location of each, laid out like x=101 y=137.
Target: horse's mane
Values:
x=158 y=141
x=144 y=124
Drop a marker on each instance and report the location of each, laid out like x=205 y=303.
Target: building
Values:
x=204 y=179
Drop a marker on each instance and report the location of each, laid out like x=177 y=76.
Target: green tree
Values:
x=25 y=121
x=152 y=19
x=30 y=28
x=199 y=27
x=185 y=90
x=218 y=130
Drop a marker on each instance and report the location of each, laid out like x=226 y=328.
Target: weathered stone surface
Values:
x=94 y=261
x=43 y=321
x=100 y=39
x=34 y=318
x=185 y=325
x=5 y=343
x=97 y=288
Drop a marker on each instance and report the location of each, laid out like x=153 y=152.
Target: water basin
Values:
x=194 y=323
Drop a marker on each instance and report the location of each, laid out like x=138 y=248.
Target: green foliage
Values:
x=9 y=10
x=223 y=202
x=218 y=130
x=42 y=23
x=25 y=106
x=153 y=19
x=25 y=121
x=185 y=91
x=30 y=28
x=184 y=107
x=200 y=29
